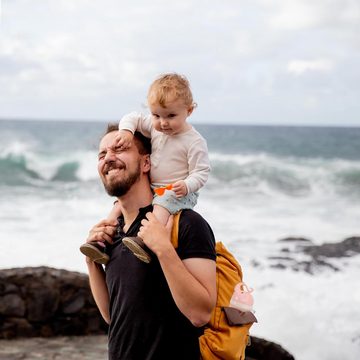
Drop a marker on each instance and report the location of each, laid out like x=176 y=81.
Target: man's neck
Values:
x=131 y=203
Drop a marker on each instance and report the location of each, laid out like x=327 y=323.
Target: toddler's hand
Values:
x=124 y=139
x=179 y=188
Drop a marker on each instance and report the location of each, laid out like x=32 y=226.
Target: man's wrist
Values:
x=167 y=252
x=92 y=264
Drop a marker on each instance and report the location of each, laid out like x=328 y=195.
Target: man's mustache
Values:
x=118 y=164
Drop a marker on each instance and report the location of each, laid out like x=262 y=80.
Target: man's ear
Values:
x=146 y=163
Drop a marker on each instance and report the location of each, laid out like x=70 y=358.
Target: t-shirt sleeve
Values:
x=196 y=238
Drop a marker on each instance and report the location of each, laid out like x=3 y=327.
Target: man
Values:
x=155 y=311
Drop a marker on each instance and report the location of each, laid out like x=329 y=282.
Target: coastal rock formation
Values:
x=46 y=302
x=300 y=254
x=261 y=349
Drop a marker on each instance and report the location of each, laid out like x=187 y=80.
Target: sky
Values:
x=291 y=62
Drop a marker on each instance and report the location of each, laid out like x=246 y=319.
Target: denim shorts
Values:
x=171 y=203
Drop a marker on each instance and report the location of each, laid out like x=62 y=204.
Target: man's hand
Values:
x=101 y=232
x=155 y=235
x=179 y=188
x=124 y=139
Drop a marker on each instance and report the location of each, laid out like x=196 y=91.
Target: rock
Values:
x=301 y=254
x=43 y=301
x=295 y=240
x=12 y=305
x=261 y=349
x=346 y=248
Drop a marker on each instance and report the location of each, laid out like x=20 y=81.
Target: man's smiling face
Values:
x=118 y=169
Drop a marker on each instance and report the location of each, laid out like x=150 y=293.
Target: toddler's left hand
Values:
x=179 y=188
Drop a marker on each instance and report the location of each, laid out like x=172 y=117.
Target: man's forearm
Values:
x=99 y=288
x=194 y=295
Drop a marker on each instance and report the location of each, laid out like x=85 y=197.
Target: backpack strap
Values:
x=175 y=230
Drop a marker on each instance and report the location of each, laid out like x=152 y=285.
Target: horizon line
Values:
x=194 y=123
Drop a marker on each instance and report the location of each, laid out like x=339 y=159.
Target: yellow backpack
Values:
x=227 y=334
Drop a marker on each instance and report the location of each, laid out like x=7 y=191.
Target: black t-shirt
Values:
x=145 y=321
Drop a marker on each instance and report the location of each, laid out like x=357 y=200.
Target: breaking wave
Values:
x=252 y=172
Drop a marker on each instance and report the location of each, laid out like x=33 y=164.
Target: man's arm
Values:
x=98 y=288
x=103 y=231
x=192 y=282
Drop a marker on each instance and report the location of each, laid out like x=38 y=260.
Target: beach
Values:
x=69 y=347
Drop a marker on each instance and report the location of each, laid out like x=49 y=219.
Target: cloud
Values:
x=253 y=60
x=303 y=14
x=299 y=67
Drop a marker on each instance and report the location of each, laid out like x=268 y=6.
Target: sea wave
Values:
x=251 y=172
x=36 y=169
x=288 y=175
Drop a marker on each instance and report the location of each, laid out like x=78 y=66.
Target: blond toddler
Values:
x=179 y=153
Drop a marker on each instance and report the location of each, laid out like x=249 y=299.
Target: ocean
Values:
x=267 y=183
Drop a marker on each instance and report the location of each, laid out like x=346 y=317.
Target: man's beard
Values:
x=120 y=187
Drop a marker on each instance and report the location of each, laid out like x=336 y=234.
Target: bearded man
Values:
x=155 y=311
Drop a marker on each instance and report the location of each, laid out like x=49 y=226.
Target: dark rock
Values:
x=278 y=266
x=280 y=258
x=6 y=288
x=261 y=349
x=346 y=248
x=46 y=302
x=75 y=302
x=317 y=257
x=295 y=239
x=12 y=305
x=42 y=302
x=15 y=327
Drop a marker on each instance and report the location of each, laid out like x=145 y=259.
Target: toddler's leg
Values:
x=161 y=214
x=115 y=212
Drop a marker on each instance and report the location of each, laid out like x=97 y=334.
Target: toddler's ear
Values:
x=191 y=108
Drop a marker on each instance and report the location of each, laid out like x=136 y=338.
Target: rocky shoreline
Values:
x=48 y=313
x=94 y=347
x=301 y=254
x=42 y=301
x=42 y=309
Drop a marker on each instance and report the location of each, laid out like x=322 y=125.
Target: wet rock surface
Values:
x=300 y=254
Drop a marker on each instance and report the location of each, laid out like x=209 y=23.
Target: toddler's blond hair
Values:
x=170 y=87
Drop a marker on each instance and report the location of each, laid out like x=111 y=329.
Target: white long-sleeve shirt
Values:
x=174 y=157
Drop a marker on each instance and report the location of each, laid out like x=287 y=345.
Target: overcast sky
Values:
x=248 y=61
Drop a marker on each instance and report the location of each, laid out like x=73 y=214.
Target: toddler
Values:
x=179 y=158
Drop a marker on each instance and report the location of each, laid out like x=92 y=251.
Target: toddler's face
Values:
x=171 y=119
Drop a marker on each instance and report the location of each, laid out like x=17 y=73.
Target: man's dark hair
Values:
x=142 y=143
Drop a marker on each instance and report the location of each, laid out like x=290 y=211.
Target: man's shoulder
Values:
x=196 y=238
x=189 y=216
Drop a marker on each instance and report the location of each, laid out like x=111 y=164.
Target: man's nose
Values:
x=110 y=155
